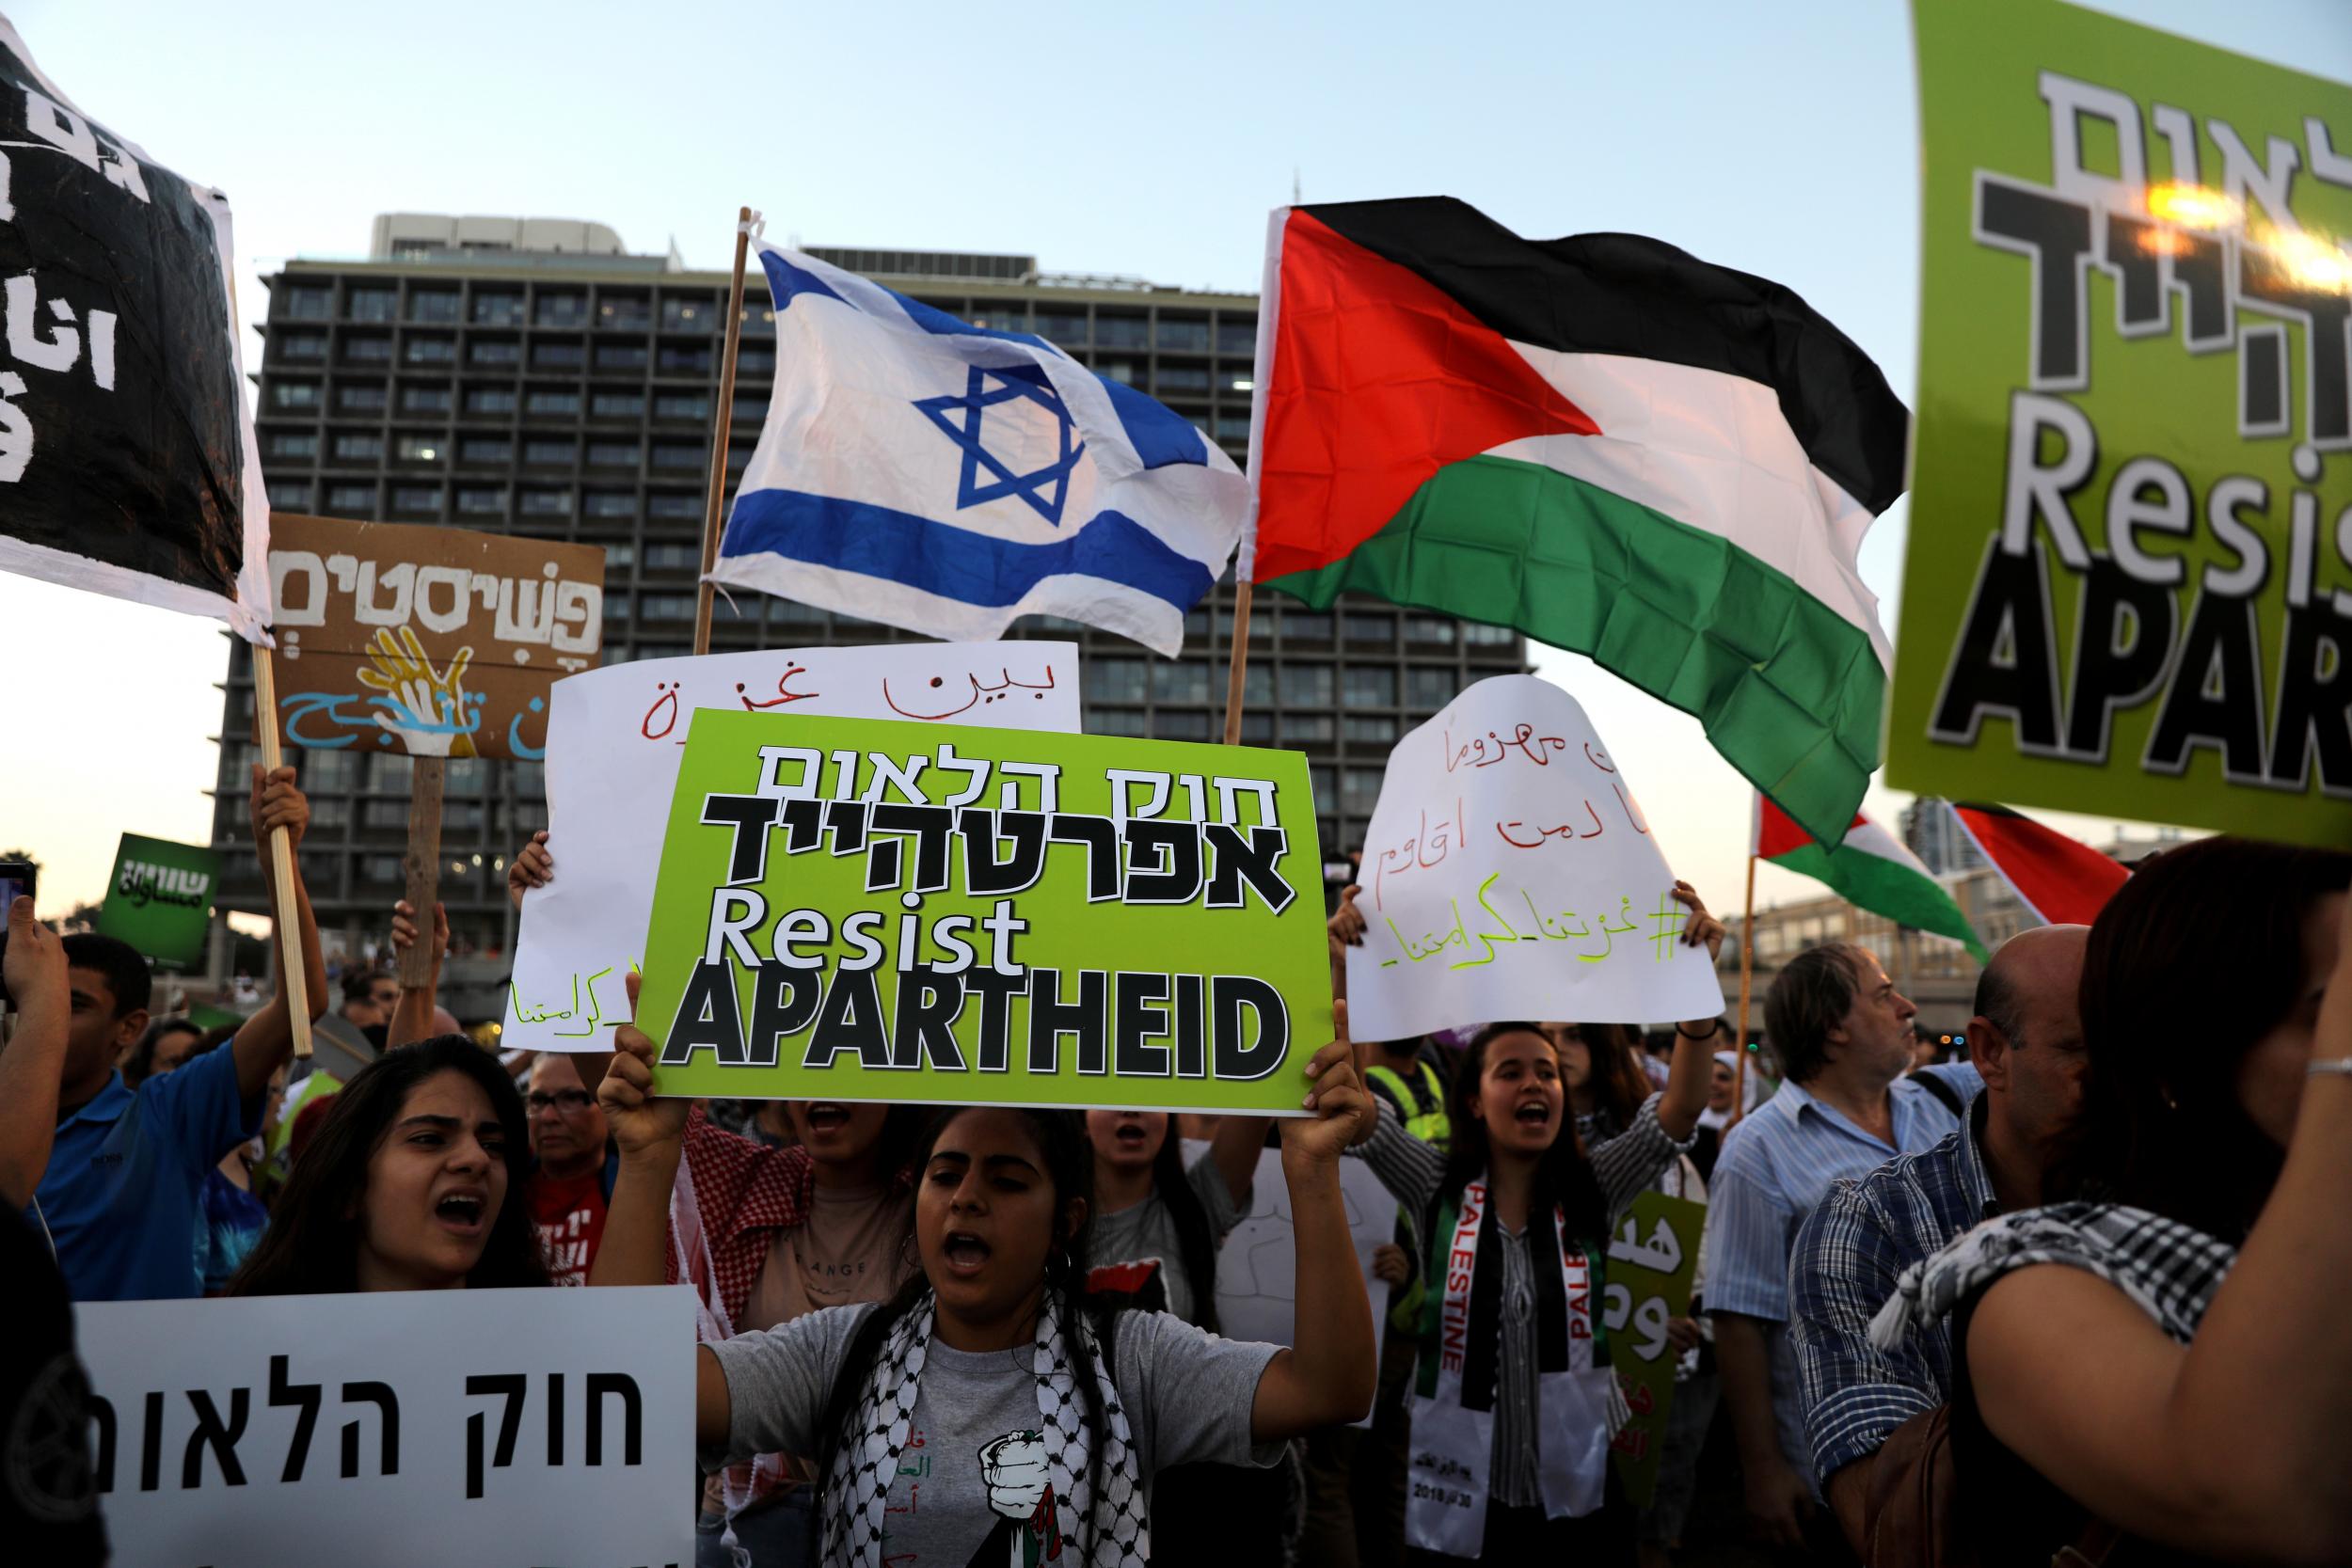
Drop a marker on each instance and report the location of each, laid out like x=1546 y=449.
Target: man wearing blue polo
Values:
x=119 y=1199
x=1843 y=1035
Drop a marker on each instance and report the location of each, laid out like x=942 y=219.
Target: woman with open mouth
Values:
x=1027 y=1422
x=1510 y=1452
x=405 y=1186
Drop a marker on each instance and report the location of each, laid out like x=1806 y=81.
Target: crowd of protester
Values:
x=2073 y=1295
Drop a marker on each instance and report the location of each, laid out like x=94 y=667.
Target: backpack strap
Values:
x=1950 y=1097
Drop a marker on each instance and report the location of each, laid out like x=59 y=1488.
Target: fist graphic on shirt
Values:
x=1014 y=1470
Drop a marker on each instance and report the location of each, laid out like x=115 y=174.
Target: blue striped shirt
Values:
x=1776 y=1166
x=1848 y=1254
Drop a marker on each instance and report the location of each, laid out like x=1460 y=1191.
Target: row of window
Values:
x=425 y=305
x=489 y=500
x=346 y=772
x=564 y=452
x=434 y=305
x=374 y=397
x=369 y=348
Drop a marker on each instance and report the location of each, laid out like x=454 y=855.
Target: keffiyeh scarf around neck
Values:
x=2168 y=1270
x=858 y=1488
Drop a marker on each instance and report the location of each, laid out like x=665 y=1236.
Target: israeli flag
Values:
x=948 y=479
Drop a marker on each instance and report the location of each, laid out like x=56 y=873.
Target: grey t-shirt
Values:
x=1187 y=1396
x=1136 y=1255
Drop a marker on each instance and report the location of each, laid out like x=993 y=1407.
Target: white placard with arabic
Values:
x=1509 y=874
x=276 y=1432
x=1257 y=1263
x=615 y=737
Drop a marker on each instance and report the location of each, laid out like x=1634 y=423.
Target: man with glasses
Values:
x=571 y=1180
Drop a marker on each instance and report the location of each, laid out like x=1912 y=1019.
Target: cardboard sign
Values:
x=160 y=900
x=1651 y=1260
x=436 y=642
x=2127 y=589
x=1509 y=873
x=1257 y=1263
x=615 y=737
x=415 y=1426
x=127 y=461
x=852 y=910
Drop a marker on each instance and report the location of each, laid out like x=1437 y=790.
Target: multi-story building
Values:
x=533 y=377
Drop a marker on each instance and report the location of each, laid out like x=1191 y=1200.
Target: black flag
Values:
x=127 y=463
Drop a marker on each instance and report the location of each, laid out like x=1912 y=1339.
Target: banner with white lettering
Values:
x=396 y=1428
x=613 y=740
x=127 y=461
x=1509 y=873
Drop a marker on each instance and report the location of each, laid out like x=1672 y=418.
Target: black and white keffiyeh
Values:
x=2169 y=1271
x=867 y=1460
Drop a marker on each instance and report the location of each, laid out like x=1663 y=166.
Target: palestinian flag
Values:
x=1601 y=441
x=2062 y=880
x=1872 y=870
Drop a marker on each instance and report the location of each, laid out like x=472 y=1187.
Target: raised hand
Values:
x=277 y=802
x=532 y=866
x=34 y=969
x=640 y=1122
x=1702 y=927
x=1342 y=1108
x=1347 y=922
x=404 y=929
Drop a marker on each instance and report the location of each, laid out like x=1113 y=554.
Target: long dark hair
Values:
x=1562 y=1177
x=312 y=1243
x=1195 y=1246
x=1618 y=1084
x=2193 y=960
x=1061 y=1139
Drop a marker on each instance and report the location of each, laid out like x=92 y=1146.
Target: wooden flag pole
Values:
x=1237 y=663
x=724 y=422
x=1747 y=974
x=292 y=976
x=420 y=866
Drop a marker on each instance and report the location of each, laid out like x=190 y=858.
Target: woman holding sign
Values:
x=987 y=1412
x=1510 y=1446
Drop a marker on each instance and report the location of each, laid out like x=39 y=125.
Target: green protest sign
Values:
x=1651 y=1260
x=854 y=908
x=2128 y=585
x=161 y=898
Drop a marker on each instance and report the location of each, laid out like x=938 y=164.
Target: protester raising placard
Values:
x=1509 y=873
x=855 y=909
x=278 y=1431
x=127 y=462
x=615 y=737
x=436 y=642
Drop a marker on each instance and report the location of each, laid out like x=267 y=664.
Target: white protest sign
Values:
x=615 y=737
x=415 y=1426
x=1257 y=1264
x=1509 y=874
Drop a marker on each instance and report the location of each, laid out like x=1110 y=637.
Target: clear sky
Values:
x=1141 y=138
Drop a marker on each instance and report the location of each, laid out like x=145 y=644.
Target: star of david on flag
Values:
x=1012 y=381
x=951 y=479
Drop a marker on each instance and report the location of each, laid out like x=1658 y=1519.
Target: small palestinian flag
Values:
x=2062 y=880
x=1872 y=870
x=1601 y=441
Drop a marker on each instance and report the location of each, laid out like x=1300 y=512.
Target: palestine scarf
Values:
x=1578 y=1405
x=866 y=1461
x=2170 y=1271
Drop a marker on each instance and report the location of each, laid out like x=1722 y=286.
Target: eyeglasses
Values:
x=569 y=1101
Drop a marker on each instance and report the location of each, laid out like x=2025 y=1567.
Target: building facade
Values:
x=534 y=379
